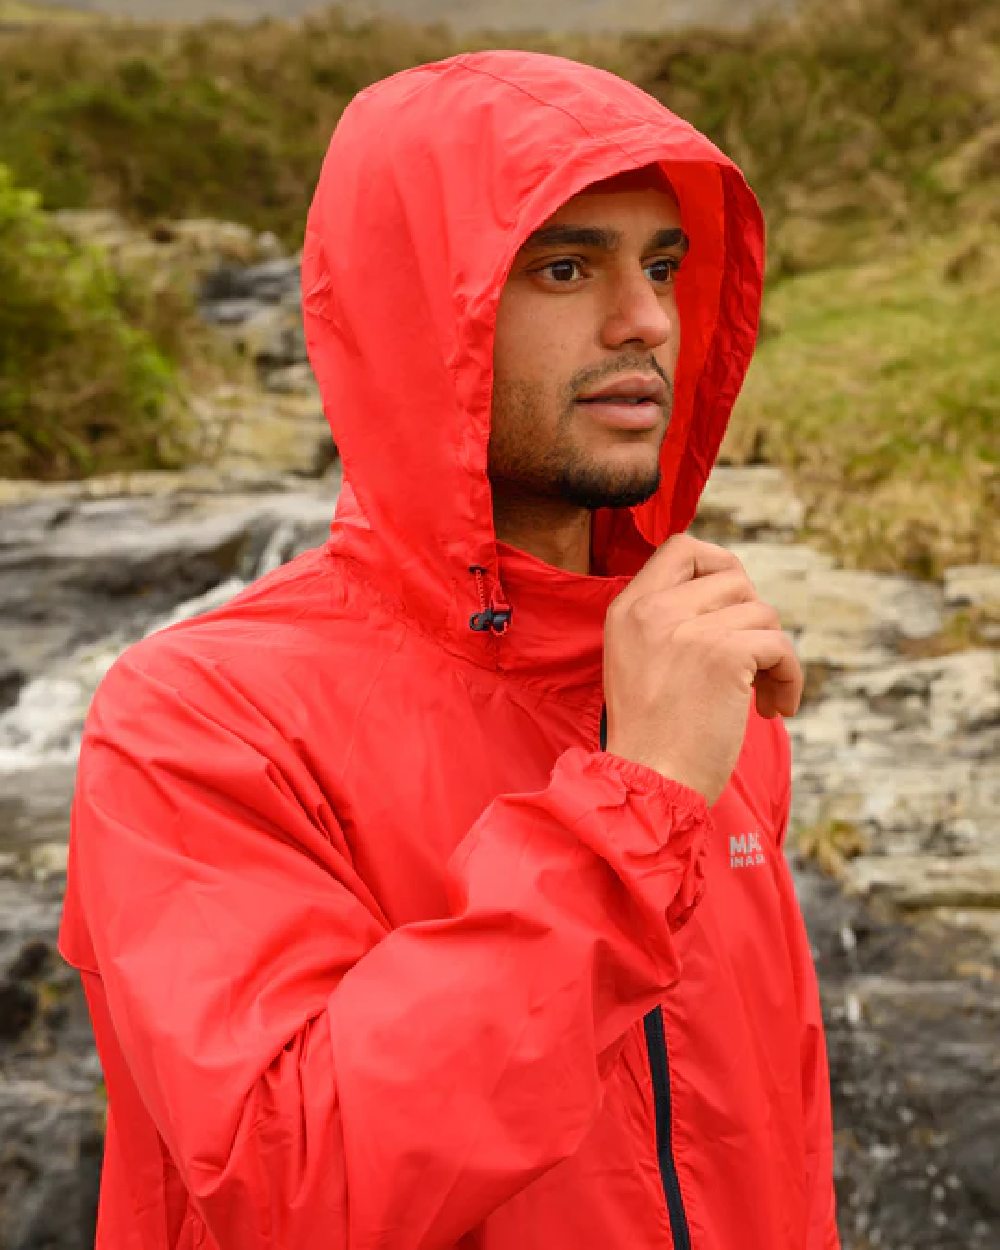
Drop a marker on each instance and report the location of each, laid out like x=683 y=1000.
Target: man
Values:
x=382 y=948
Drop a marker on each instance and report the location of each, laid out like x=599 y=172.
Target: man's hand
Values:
x=684 y=645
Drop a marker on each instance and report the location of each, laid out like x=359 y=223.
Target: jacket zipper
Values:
x=494 y=613
x=659 y=1069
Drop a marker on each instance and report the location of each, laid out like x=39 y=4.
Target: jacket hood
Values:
x=433 y=179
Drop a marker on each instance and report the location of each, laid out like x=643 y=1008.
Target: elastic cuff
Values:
x=623 y=779
x=652 y=814
x=642 y=779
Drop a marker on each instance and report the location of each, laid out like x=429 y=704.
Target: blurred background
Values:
x=162 y=444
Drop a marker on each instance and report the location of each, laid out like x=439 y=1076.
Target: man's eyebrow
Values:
x=675 y=237
x=601 y=239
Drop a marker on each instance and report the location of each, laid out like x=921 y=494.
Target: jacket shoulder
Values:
x=296 y=640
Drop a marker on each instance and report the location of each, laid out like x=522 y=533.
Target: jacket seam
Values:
x=363 y=703
x=516 y=86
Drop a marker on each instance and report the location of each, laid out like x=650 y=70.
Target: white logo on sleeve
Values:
x=745 y=851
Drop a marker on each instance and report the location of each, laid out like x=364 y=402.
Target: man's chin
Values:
x=593 y=491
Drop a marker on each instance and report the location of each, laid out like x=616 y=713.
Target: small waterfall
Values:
x=278 y=550
x=44 y=726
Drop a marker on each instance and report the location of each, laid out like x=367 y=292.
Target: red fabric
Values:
x=367 y=922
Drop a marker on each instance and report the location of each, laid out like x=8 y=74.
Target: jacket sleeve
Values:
x=822 y=1227
x=319 y=1080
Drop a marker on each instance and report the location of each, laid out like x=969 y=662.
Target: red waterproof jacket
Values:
x=382 y=951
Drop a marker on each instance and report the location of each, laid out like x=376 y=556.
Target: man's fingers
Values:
x=779 y=680
x=751 y=632
x=713 y=592
x=687 y=644
x=677 y=561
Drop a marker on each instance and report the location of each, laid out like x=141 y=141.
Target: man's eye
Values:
x=563 y=270
x=663 y=270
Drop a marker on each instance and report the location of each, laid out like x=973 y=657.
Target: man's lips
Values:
x=636 y=402
x=636 y=388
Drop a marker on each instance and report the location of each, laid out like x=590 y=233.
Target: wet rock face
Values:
x=258 y=308
x=912 y=1018
x=907 y=755
x=280 y=426
x=77 y=567
x=51 y=1103
x=896 y=790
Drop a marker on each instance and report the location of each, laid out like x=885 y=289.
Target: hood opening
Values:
x=432 y=181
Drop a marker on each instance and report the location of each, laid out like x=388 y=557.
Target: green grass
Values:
x=212 y=120
x=879 y=387
x=83 y=384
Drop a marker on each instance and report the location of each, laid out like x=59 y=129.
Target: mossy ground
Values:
x=98 y=354
x=878 y=386
x=81 y=384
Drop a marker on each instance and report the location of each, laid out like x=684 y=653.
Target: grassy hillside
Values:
x=878 y=386
x=848 y=121
x=211 y=120
x=868 y=129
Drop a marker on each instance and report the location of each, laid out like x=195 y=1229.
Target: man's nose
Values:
x=639 y=314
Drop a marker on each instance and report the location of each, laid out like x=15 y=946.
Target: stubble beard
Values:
x=563 y=470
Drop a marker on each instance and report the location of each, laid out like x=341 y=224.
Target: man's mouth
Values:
x=635 y=402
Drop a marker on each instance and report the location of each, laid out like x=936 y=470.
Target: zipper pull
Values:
x=493 y=615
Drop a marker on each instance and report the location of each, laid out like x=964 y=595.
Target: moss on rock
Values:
x=79 y=384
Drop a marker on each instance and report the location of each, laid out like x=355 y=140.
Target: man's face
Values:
x=586 y=346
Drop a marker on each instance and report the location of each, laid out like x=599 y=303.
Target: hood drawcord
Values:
x=493 y=615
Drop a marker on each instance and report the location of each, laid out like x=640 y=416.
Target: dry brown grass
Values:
x=830 y=845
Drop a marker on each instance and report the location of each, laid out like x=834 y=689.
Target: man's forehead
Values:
x=648 y=178
x=649 y=181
